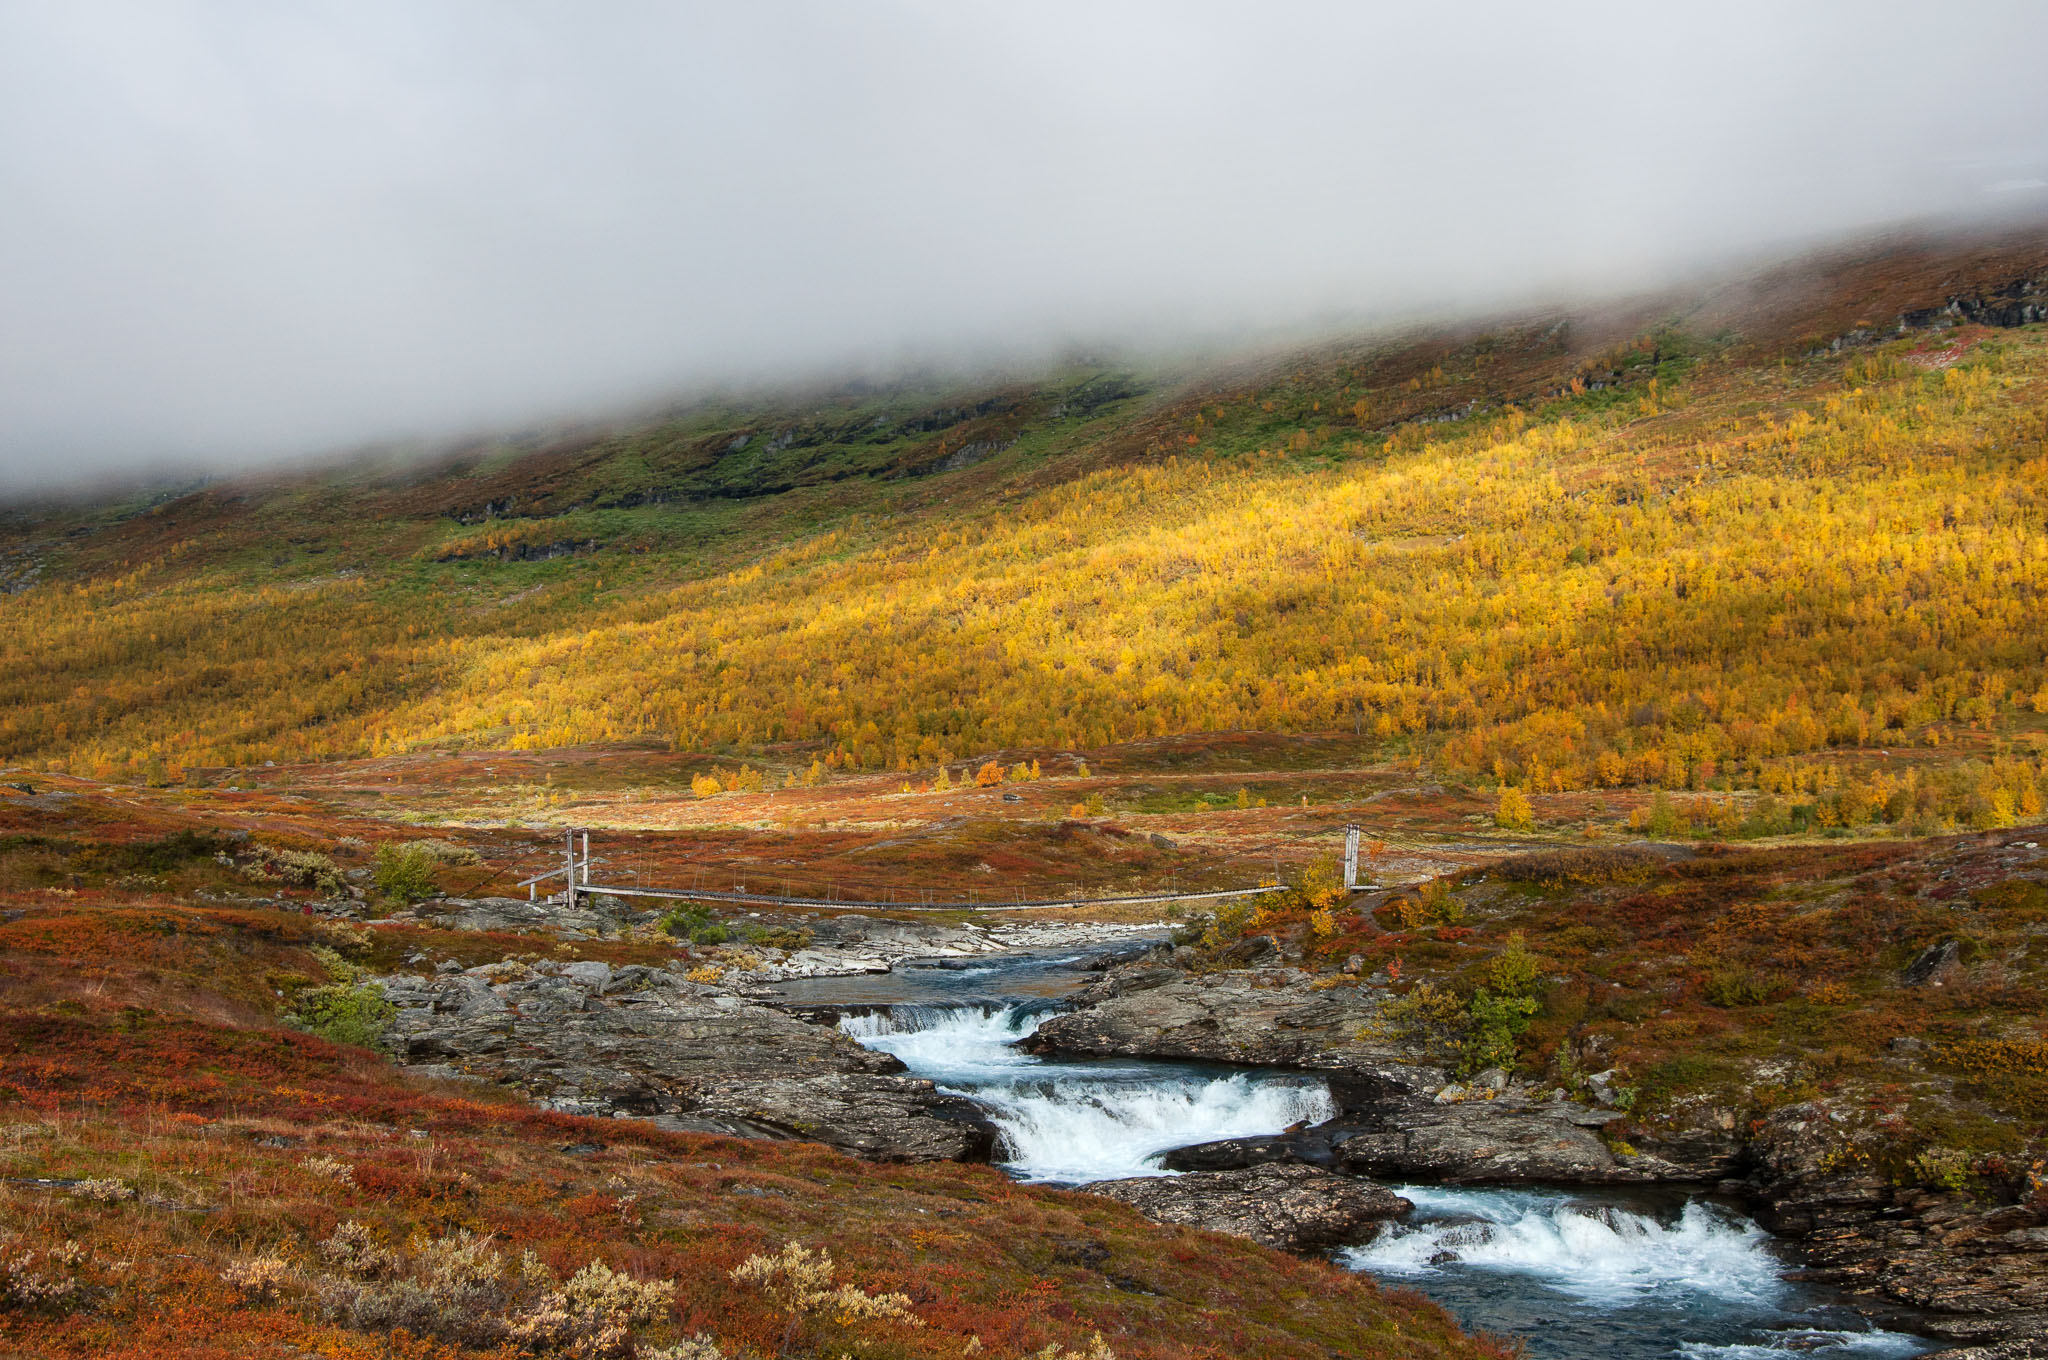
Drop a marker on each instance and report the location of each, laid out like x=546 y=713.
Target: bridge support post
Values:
x=1350 y=859
x=569 y=869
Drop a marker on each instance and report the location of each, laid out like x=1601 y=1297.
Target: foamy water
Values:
x=1643 y=1282
x=1077 y=1122
x=1572 y=1275
x=1869 y=1345
x=1600 y=1253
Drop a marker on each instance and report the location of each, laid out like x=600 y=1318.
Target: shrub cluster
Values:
x=43 y=1281
x=405 y=873
x=297 y=868
x=460 y=1288
x=1588 y=867
x=348 y=1010
x=742 y=780
x=346 y=1014
x=696 y=924
x=1487 y=1027
x=1432 y=905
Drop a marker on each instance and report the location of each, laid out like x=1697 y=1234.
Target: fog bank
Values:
x=240 y=232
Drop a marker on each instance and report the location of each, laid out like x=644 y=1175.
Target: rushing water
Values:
x=1092 y=1121
x=1022 y=975
x=1572 y=1274
x=1577 y=1274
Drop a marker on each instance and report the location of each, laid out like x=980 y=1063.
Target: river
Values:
x=1571 y=1272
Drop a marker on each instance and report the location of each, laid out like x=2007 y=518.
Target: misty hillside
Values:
x=1673 y=543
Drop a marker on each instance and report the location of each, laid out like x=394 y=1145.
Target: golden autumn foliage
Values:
x=1514 y=812
x=1677 y=583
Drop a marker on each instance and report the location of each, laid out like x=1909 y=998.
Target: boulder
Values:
x=1296 y=1208
x=1313 y=1146
x=883 y=1118
x=1932 y=965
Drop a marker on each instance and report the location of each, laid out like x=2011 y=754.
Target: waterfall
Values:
x=1076 y=1122
x=1628 y=1276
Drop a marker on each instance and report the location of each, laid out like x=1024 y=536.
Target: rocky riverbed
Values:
x=1980 y=1271
x=641 y=1042
x=705 y=1054
x=839 y=946
x=719 y=1056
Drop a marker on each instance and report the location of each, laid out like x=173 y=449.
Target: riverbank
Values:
x=1648 y=1272
x=1270 y=1152
x=1835 y=1036
x=187 y=1179
x=1606 y=1019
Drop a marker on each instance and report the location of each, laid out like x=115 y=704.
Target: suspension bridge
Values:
x=577 y=884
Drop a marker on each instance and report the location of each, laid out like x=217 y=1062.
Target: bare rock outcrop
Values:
x=1402 y=1118
x=1483 y=1142
x=587 y=1038
x=1297 y=1208
x=1980 y=1270
x=1506 y=1141
x=1262 y=1017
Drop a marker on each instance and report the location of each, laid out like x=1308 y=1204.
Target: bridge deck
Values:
x=842 y=903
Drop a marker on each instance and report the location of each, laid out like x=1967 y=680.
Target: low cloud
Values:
x=242 y=232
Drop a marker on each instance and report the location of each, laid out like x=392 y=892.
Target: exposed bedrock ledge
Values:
x=586 y=1038
x=1297 y=1208
x=1979 y=1270
x=1259 y=1017
x=1492 y=1142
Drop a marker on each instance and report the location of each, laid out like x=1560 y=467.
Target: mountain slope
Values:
x=1691 y=543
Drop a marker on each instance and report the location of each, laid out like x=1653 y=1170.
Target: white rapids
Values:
x=1599 y=1253
x=1821 y=1344
x=1072 y=1123
x=1628 y=1266
x=1627 y=1277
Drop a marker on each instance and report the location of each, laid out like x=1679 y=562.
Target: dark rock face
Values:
x=1482 y=1142
x=590 y=1039
x=2019 y=303
x=1932 y=964
x=1500 y=1142
x=1981 y=1269
x=1297 y=1208
x=1314 y=1146
x=1265 y=1017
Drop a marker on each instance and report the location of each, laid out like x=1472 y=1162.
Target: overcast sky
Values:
x=236 y=232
